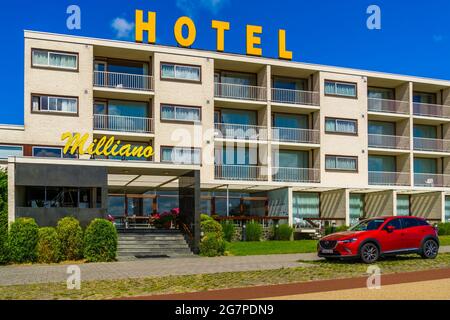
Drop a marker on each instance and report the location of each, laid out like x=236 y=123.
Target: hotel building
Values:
x=237 y=137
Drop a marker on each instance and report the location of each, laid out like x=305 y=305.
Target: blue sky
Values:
x=414 y=37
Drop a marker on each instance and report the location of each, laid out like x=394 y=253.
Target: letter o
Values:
x=178 y=31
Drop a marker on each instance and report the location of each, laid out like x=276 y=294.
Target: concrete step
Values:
x=152 y=238
x=152 y=246
x=154 y=253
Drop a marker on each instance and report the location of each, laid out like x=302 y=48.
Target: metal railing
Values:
x=431 y=110
x=118 y=80
x=427 y=144
x=389 y=142
x=306 y=175
x=296 y=135
x=380 y=178
x=295 y=96
x=241 y=92
x=240 y=131
x=431 y=180
x=240 y=172
x=123 y=123
x=388 y=106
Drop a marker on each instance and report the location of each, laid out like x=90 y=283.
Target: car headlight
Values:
x=348 y=240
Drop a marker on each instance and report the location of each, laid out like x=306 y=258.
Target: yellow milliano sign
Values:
x=253 y=34
x=76 y=144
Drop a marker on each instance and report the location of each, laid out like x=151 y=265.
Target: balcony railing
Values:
x=241 y=172
x=388 y=106
x=431 y=180
x=305 y=175
x=296 y=135
x=380 y=178
x=434 y=145
x=431 y=110
x=122 y=123
x=388 y=142
x=240 y=131
x=118 y=80
x=241 y=92
x=295 y=96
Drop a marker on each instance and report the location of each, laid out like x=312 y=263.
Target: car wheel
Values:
x=430 y=249
x=369 y=253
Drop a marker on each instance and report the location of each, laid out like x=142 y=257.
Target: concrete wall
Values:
x=379 y=204
x=334 y=205
x=428 y=205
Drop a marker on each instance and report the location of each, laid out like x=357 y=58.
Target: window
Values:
x=57 y=60
x=180 y=155
x=57 y=197
x=51 y=152
x=180 y=113
x=424 y=97
x=340 y=89
x=334 y=125
x=382 y=163
x=180 y=72
x=394 y=223
x=381 y=93
x=410 y=223
x=54 y=104
x=403 y=205
x=341 y=163
x=10 y=151
x=382 y=128
x=305 y=205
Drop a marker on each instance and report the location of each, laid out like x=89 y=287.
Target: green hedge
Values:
x=48 y=246
x=3 y=218
x=100 y=241
x=253 y=231
x=212 y=245
x=330 y=230
x=22 y=241
x=71 y=236
x=283 y=232
x=444 y=229
x=229 y=230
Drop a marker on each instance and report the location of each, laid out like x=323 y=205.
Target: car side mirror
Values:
x=390 y=229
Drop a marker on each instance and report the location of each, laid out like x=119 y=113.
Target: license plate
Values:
x=327 y=251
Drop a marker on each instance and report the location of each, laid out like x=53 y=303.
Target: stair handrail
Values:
x=186 y=230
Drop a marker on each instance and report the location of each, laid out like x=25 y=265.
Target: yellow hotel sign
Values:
x=76 y=144
x=253 y=34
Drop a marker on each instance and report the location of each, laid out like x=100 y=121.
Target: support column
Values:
x=347 y=207
x=11 y=191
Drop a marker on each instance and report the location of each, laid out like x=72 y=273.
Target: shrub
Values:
x=330 y=230
x=22 y=240
x=212 y=245
x=211 y=226
x=253 y=231
x=205 y=217
x=444 y=229
x=48 y=246
x=70 y=235
x=3 y=218
x=283 y=232
x=229 y=230
x=100 y=241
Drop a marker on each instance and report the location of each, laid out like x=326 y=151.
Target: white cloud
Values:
x=123 y=28
x=191 y=7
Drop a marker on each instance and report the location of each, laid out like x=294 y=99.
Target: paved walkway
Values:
x=12 y=275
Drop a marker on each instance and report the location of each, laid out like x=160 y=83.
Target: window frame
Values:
x=335 y=94
x=50 y=67
x=178 y=106
x=50 y=148
x=12 y=146
x=356 y=133
x=184 y=148
x=356 y=170
x=164 y=78
x=54 y=112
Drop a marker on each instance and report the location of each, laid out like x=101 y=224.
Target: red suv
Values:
x=384 y=236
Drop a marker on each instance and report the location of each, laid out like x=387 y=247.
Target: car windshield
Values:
x=368 y=225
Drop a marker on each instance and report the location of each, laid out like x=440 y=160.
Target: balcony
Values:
x=115 y=80
x=388 y=142
x=388 y=106
x=305 y=175
x=380 y=178
x=431 y=180
x=123 y=123
x=240 y=172
x=240 y=131
x=299 y=97
x=431 y=110
x=240 y=92
x=433 y=145
x=293 y=135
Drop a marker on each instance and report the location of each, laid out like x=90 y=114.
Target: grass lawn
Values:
x=284 y=247
x=321 y=270
x=271 y=247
